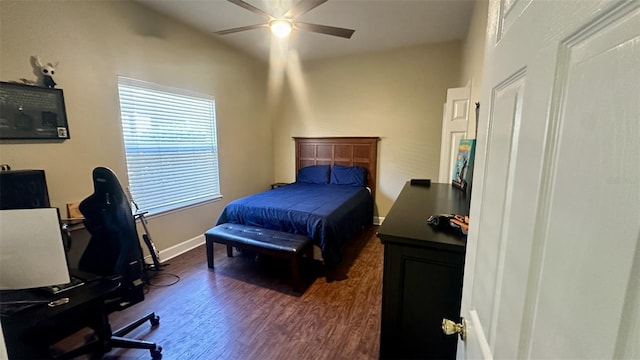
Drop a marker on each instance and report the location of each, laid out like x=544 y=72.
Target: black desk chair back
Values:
x=114 y=248
x=114 y=251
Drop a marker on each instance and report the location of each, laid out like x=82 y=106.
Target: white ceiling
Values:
x=378 y=24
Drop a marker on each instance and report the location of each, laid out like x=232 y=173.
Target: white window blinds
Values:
x=170 y=144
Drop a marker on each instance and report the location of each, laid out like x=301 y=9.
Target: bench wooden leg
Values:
x=209 y=252
x=229 y=251
x=295 y=272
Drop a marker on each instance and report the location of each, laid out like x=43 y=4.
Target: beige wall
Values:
x=396 y=95
x=473 y=58
x=98 y=40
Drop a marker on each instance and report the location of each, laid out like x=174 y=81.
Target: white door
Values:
x=454 y=128
x=553 y=254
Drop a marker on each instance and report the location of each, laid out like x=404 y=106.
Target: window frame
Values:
x=156 y=140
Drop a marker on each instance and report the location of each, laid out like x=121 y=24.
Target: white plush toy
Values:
x=47 y=70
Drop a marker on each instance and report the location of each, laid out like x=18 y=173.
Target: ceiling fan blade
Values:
x=238 y=29
x=251 y=8
x=323 y=29
x=303 y=7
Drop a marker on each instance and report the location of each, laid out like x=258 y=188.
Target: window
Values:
x=170 y=144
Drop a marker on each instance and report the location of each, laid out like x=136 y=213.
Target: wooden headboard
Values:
x=346 y=151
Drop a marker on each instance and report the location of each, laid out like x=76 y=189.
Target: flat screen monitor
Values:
x=23 y=189
x=32 y=253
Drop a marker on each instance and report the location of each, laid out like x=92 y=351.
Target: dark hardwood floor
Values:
x=246 y=309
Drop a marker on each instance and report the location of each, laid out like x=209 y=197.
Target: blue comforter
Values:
x=328 y=214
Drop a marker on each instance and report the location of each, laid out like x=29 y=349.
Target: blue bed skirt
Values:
x=329 y=214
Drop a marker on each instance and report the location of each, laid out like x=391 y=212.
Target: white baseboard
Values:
x=377 y=220
x=178 y=249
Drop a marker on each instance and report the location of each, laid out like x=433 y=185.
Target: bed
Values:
x=331 y=200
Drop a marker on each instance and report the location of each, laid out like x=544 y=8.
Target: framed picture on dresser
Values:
x=463 y=168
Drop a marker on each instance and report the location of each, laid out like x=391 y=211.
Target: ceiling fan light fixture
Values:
x=281 y=27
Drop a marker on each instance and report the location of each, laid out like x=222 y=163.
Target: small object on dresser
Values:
x=421 y=182
x=455 y=223
x=463 y=169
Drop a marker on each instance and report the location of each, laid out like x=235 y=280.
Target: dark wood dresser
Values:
x=423 y=271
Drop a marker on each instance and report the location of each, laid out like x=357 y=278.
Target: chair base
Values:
x=108 y=340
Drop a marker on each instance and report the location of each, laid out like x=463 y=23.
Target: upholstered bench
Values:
x=261 y=240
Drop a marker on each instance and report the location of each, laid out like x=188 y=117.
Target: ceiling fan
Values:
x=282 y=25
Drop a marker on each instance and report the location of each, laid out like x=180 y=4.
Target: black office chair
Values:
x=114 y=251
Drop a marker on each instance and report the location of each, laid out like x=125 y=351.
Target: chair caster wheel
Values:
x=155 y=321
x=157 y=353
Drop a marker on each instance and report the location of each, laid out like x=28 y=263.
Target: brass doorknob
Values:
x=449 y=328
